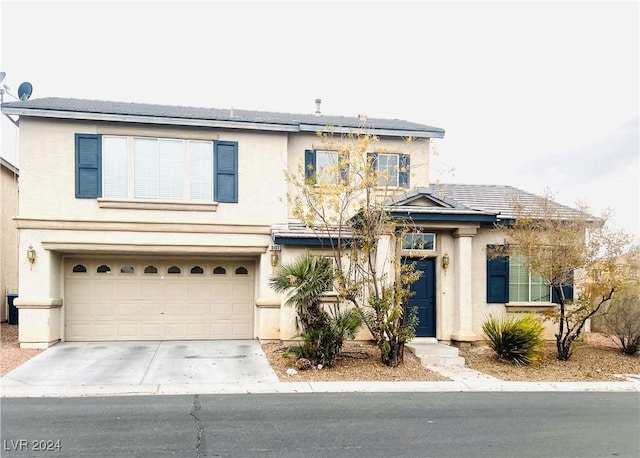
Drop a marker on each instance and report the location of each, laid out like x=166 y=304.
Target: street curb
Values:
x=315 y=387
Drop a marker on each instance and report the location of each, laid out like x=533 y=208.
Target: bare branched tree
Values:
x=343 y=201
x=566 y=246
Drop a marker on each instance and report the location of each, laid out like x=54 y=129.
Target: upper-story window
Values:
x=169 y=169
x=157 y=168
x=324 y=166
x=392 y=169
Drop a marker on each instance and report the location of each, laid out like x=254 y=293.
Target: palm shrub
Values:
x=322 y=333
x=305 y=280
x=323 y=344
x=515 y=338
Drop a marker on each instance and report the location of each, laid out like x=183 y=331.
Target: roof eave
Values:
x=277 y=127
x=449 y=217
x=383 y=132
x=86 y=116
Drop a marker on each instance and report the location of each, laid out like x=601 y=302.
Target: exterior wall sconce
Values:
x=274 y=259
x=445 y=261
x=31 y=255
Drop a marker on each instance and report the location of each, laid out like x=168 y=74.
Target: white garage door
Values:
x=152 y=300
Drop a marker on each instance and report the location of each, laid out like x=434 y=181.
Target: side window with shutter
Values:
x=497 y=278
x=88 y=158
x=226 y=171
x=403 y=172
x=567 y=291
x=309 y=164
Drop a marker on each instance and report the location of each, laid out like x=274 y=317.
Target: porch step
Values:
x=432 y=353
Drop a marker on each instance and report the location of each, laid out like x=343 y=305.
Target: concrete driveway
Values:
x=143 y=367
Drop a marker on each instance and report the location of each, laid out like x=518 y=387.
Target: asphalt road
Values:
x=543 y=424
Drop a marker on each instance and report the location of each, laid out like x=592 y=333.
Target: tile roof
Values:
x=228 y=117
x=458 y=202
x=497 y=199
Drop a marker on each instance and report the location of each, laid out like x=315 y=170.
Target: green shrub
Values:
x=322 y=344
x=515 y=338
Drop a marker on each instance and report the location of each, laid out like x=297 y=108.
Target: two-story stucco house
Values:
x=8 y=234
x=161 y=222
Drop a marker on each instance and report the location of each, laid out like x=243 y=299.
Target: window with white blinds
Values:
x=157 y=168
x=114 y=167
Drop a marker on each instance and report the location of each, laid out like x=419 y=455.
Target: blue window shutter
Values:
x=88 y=155
x=403 y=174
x=567 y=290
x=344 y=167
x=497 y=279
x=309 y=164
x=226 y=171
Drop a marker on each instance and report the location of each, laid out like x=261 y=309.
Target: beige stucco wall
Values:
x=47 y=158
x=8 y=236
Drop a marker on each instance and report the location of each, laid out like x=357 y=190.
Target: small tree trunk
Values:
x=395 y=356
x=564 y=349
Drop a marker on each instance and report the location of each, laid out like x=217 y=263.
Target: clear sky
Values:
x=537 y=95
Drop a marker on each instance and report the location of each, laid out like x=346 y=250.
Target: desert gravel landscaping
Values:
x=12 y=355
x=595 y=358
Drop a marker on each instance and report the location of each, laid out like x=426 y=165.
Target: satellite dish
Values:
x=24 y=90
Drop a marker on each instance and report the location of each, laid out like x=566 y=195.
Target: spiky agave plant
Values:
x=516 y=338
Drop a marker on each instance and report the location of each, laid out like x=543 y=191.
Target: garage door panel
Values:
x=221 y=290
x=240 y=330
x=198 y=290
x=147 y=309
x=152 y=289
x=174 y=310
x=197 y=331
x=220 y=329
x=242 y=291
x=104 y=288
x=80 y=330
x=173 y=288
x=153 y=331
x=128 y=331
x=196 y=310
x=129 y=289
x=103 y=311
x=241 y=309
x=103 y=330
x=221 y=310
x=79 y=309
x=143 y=301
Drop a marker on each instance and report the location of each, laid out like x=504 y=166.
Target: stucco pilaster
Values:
x=463 y=327
x=39 y=302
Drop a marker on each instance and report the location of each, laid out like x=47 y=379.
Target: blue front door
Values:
x=424 y=296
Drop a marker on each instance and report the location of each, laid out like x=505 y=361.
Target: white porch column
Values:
x=463 y=324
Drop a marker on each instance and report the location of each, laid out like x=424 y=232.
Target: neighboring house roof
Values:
x=53 y=107
x=9 y=166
